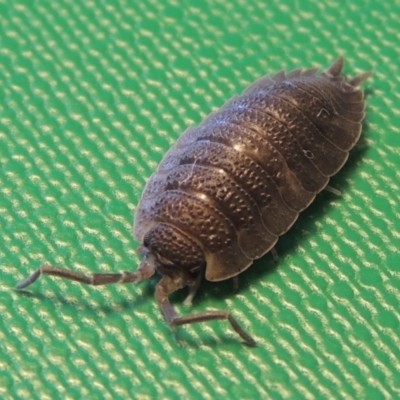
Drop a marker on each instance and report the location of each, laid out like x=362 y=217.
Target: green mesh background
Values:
x=92 y=94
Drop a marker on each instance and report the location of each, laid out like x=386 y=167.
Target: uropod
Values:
x=227 y=190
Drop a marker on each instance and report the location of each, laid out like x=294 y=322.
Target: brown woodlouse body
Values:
x=230 y=187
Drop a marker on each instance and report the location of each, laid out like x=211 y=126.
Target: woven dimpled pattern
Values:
x=238 y=181
x=93 y=96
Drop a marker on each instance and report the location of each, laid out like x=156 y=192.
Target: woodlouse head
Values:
x=172 y=252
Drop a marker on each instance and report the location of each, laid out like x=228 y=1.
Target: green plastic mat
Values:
x=93 y=93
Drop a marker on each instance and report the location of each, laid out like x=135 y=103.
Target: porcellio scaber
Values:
x=227 y=190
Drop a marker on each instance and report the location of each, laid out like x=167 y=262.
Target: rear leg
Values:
x=333 y=190
x=235 y=282
x=168 y=285
x=275 y=255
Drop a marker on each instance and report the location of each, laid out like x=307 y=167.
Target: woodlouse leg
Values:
x=275 y=255
x=143 y=273
x=235 y=281
x=193 y=290
x=167 y=285
x=331 y=189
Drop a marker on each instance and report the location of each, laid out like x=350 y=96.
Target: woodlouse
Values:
x=231 y=186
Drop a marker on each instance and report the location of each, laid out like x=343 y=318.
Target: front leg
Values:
x=168 y=285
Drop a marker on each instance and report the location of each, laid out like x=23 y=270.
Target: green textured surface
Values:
x=92 y=95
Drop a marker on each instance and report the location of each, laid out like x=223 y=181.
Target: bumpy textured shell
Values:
x=238 y=181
